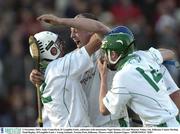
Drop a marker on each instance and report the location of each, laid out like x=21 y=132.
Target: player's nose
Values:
x=73 y=33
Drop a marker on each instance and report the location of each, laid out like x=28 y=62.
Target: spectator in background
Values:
x=14 y=71
x=2 y=91
x=125 y=12
x=167 y=31
x=104 y=16
x=5 y=113
x=75 y=7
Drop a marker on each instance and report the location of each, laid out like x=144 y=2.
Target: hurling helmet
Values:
x=120 y=40
x=49 y=45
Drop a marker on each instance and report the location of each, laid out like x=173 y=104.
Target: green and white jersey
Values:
x=64 y=100
x=139 y=84
x=171 y=86
x=91 y=83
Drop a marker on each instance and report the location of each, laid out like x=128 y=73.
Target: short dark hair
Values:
x=87 y=15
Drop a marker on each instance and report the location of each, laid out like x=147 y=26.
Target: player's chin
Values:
x=111 y=67
x=78 y=44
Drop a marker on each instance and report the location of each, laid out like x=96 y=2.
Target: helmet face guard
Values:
x=121 y=43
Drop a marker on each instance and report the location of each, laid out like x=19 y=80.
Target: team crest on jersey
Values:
x=53 y=51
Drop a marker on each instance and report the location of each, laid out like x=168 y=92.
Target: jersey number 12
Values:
x=155 y=75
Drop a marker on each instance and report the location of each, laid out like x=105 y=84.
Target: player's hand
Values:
x=102 y=66
x=36 y=77
x=49 y=18
x=93 y=44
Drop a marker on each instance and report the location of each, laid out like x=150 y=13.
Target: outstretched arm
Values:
x=93 y=44
x=85 y=24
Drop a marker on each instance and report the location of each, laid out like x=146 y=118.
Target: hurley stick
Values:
x=34 y=51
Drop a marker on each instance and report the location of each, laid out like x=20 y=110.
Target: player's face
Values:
x=80 y=37
x=113 y=56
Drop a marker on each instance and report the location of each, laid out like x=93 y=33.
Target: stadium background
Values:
x=154 y=22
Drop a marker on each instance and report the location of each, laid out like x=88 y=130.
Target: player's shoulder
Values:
x=122 y=77
x=152 y=54
x=125 y=72
x=52 y=65
x=134 y=60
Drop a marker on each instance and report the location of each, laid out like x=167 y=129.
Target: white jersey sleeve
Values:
x=75 y=63
x=156 y=55
x=168 y=80
x=117 y=98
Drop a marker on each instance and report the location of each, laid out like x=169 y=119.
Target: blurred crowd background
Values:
x=154 y=22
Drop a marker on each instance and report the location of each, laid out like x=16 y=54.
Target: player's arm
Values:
x=175 y=96
x=102 y=66
x=93 y=44
x=173 y=89
x=36 y=77
x=85 y=24
x=112 y=101
x=79 y=61
x=161 y=55
x=167 y=54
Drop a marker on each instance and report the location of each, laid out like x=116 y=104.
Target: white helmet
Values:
x=48 y=46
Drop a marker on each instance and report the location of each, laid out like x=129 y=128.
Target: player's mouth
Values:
x=78 y=43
